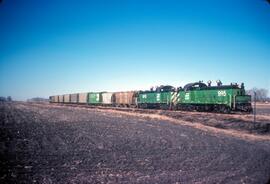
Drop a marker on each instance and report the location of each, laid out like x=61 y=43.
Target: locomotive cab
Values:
x=243 y=101
x=166 y=88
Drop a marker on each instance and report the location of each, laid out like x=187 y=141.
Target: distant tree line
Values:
x=5 y=99
x=38 y=99
x=261 y=94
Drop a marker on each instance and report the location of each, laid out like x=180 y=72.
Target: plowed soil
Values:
x=61 y=144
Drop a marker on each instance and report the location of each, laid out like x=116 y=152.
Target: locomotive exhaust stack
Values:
x=209 y=83
x=219 y=83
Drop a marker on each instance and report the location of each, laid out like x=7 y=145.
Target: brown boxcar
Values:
x=124 y=98
x=74 y=98
x=67 y=98
x=82 y=98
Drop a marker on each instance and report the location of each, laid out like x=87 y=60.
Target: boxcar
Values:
x=107 y=98
x=61 y=99
x=94 y=98
x=82 y=98
x=74 y=98
x=67 y=98
x=125 y=98
x=52 y=99
x=56 y=99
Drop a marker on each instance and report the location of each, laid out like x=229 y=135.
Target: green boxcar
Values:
x=94 y=98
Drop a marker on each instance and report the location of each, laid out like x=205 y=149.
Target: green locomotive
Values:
x=198 y=96
x=221 y=98
x=159 y=98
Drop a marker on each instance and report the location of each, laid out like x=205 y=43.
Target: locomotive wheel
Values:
x=225 y=109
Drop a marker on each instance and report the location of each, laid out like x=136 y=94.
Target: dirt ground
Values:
x=241 y=122
x=263 y=109
x=61 y=144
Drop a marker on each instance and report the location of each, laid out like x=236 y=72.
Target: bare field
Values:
x=263 y=109
x=240 y=122
x=61 y=144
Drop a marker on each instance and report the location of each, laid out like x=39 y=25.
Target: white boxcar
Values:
x=107 y=98
x=74 y=98
x=67 y=98
x=82 y=98
x=56 y=99
x=52 y=99
x=61 y=98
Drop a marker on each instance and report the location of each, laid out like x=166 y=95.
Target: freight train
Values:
x=196 y=96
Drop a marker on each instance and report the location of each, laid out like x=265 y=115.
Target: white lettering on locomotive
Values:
x=222 y=93
x=158 y=97
x=187 y=96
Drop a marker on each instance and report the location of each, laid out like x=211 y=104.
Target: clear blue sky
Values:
x=56 y=47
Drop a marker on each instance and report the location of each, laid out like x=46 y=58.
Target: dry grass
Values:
x=195 y=124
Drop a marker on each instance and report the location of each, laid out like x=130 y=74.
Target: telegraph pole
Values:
x=254 y=114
